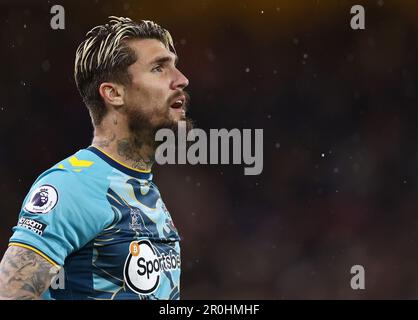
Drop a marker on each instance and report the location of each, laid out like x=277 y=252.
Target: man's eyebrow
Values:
x=165 y=59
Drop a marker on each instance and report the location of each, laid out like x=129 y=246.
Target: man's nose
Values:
x=180 y=81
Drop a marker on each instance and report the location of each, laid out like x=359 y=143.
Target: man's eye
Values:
x=157 y=69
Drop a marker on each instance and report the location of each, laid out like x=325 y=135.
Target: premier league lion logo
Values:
x=40 y=198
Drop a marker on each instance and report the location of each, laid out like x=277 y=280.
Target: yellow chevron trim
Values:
x=79 y=163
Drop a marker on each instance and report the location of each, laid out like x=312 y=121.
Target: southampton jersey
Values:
x=107 y=225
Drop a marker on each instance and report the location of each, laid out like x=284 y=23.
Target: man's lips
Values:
x=179 y=103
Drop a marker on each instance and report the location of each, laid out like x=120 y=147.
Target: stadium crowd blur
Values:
x=340 y=174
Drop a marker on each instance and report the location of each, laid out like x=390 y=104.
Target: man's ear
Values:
x=112 y=94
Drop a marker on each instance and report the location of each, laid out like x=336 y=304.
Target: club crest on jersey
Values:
x=143 y=266
x=42 y=200
x=136 y=223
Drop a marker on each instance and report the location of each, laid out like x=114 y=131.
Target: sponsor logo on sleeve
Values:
x=42 y=200
x=32 y=225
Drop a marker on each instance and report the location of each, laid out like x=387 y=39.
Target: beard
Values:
x=143 y=126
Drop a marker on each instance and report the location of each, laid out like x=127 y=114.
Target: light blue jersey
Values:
x=107 y=225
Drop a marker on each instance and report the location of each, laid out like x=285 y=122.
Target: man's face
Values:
x=155 y=98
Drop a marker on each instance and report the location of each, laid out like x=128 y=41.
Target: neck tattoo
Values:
x=130 y=151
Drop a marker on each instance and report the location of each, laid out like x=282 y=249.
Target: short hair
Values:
x=105 y=56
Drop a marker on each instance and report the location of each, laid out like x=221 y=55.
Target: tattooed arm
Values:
x=24 y=275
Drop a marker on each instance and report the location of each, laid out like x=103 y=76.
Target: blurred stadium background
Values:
x=337 y=107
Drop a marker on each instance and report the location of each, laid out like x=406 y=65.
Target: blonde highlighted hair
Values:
x=104 y=56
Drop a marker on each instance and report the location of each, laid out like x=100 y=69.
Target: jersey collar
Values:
x=137 y=173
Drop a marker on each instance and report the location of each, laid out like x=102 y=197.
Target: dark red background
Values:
x=339 y=185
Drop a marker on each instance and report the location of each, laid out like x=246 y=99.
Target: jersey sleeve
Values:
x=60 y=215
